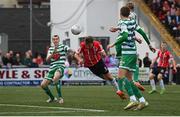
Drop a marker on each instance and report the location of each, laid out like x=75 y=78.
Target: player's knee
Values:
x=151 y=76
x=160 y=76
x=55 y=81
x=43 y=85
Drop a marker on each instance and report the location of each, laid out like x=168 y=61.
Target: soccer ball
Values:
x=76 y=30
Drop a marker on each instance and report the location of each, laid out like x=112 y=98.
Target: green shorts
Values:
x=51 y=73
x=128 y=62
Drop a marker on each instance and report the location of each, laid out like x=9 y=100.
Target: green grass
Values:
x=85 y=97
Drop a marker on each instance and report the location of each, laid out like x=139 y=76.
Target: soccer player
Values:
x=128 y=60
x=91 y=52
x=57 y=56
x=118 y=47
x=164 y=57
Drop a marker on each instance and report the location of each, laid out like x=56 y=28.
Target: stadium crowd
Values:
x=27 y=59
x=10 y=59
x=168 y=12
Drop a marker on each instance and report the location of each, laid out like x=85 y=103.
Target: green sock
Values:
x=136 y=74
x=120 y=83
x=128 y=87
x=136 y=91
x=48 y=92
x=58 y=89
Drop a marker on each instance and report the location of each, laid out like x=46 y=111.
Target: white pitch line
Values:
x=2 y=113
x=75 y=109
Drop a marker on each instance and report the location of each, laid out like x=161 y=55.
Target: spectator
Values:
x=113 y=60
x=173 y=27
x=34 y=63
x=39 y=60
x=12 y=56
x=27 y=60
x=139 y=61
x=7 y=60
x=168 y=19
x=30 y=53
x=147 y=60
x=177 y=16
x=161 y=16
x=172 y=10
x=17 y=59
x=166 y=6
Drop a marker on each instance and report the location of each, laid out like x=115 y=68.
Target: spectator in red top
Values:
x=91 y=52
x=39 y=60
x=166 y=6
x=164 y=57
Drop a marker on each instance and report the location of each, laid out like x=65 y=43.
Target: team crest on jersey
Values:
x=56 y=56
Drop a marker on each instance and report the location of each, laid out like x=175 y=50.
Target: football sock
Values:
x=58 y=89
x=136 y=91
x=120 y=83
x=48 y=92
x=114 y=83
x=152 y=82
x=161 y=84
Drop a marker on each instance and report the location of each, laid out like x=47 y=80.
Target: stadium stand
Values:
x=168 y=12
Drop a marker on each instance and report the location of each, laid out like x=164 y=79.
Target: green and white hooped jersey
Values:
x=59 y=57
x=129 y=26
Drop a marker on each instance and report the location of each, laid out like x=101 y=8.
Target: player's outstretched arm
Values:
x=120 y=39
x=114 y=29
x=153 y=61
x=141 y=32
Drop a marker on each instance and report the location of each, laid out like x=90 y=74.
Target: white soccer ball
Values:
x=76 y=30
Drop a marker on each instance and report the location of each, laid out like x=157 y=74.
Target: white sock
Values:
x=161 y=83
x=152 y=82
x=115 y=84
x=142 y=99
x=133 y=98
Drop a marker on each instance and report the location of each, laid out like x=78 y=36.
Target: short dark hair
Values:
x=125 y=11
x=89 y=40
x=56 y=36
x=130 y=5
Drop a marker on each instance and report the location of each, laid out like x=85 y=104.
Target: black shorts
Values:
x=99 y=68
x=158 y=70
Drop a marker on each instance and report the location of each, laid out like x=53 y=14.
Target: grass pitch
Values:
x=84 y=101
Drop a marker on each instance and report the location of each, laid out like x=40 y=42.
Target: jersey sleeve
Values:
x=66 y=48
x=100 y=48
x=123 y=28
x=170 y=55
